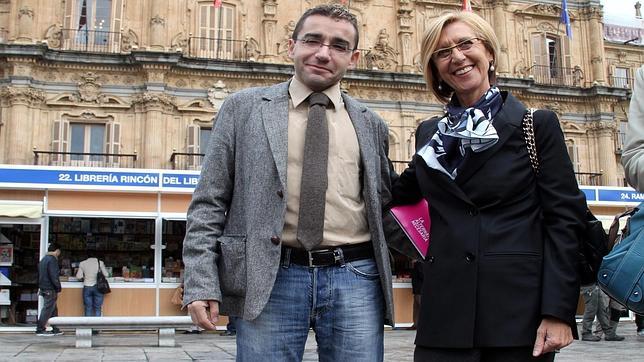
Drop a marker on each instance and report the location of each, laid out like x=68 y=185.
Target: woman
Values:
x=500 y=280
x=92 y=298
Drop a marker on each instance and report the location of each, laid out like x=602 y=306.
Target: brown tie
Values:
x=310 y=226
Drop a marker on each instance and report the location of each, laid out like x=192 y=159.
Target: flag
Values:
x=565 y=19
x=82 y=21
x=466 y=6
x=217 y=3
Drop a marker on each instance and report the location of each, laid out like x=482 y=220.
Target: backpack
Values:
x=621 y=274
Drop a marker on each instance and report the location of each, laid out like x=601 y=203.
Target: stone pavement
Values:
x=214 y=347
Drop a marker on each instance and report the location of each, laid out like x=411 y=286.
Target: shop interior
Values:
x=19 y=255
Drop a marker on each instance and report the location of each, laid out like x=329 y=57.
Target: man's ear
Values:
x=354 y=59
x=291 y=46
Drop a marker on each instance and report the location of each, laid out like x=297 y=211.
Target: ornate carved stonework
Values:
x=54 y=36
x=26 y=11
x=545 y=26
x=89 y=90
x=217 y=93
x=382 y=56
x=179 y=41
x=596 y=59
x=157 y=20
x=152 y=100
x=283 y=45
x=28 y=95
x=129 y=40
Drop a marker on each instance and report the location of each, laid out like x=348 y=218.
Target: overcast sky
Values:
x=621 y=12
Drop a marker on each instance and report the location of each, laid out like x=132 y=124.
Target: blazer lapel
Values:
x=506 y=121
x=274 y=113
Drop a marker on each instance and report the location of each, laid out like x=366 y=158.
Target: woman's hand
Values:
x=552 y=334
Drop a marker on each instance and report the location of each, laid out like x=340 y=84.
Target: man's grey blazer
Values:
x=633 y=155
x=232 y=247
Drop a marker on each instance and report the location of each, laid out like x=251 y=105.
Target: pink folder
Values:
x=415 y=222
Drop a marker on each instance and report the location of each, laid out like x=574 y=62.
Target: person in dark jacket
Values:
x=500 y=278
x=49 y=284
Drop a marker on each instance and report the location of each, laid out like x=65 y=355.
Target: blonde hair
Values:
x=429 y=45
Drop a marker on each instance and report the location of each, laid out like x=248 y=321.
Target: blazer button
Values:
x=430 y=259
x=275 y=240
x=473 y=212
x=469 y=257
x=280 y=193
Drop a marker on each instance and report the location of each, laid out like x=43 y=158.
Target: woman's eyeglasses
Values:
x=315 y=44
x=446 y=53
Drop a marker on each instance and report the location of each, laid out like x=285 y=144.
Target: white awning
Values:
x=28 y=209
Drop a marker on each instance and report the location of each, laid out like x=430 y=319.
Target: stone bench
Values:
x=84 y=326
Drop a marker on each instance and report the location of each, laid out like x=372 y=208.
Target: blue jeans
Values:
x=343 y=304
x=93 y=300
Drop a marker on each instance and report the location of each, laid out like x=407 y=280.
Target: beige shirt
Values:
x=345 y=219
x=87 y=270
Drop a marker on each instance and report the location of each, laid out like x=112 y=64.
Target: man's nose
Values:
x=324 y=52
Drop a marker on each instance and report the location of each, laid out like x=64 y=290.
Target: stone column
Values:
x=157 y=26
x=18 y=126
x=604 y=132
x=25 y=23
x=596 y=39
x=502 y=59
x=156 y=107
x=405 y=23
x=269 y=24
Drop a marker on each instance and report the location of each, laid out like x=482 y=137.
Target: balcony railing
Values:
x=186 y=160
x=589 y=178
x=621 y=82
x=84 y=159
x=93 y=41
x=217 y=48
x=569 y=77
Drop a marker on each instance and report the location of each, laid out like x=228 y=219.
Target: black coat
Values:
x=503 y=250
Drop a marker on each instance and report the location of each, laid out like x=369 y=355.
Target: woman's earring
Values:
x=440 y=85
x=492 y=67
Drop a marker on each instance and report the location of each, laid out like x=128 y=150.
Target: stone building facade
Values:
x=136 y=83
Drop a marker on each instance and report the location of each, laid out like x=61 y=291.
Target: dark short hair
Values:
x=53 y=247
x=333 y=11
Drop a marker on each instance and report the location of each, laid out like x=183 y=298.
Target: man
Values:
x=281 y=239
x=596 y=303
x=49 y=284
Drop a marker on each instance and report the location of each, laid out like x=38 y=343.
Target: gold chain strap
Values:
x=530 y=142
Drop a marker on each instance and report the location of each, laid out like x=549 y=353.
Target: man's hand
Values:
x=204 y=313
x=552 y=334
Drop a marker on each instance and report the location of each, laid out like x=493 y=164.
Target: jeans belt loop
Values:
x=338 y=257
x=286 y=260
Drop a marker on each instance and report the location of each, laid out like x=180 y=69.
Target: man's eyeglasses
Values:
x=446 y=53
x=315 y=44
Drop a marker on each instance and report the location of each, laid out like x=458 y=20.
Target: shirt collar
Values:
x=299 y=92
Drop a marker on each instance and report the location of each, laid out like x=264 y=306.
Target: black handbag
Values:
x=101 y=282
x=594 y=243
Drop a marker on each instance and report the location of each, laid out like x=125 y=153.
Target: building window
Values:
x=620 y=78
x=196 y=144
x=92 y=25
x=87 y=138
x=551 y=60
x=72 y=140
x=123 y=244
x=215 y=29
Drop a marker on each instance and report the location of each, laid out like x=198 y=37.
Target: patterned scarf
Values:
x=461 y=129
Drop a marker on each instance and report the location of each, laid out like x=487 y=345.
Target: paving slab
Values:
x=130 y=347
